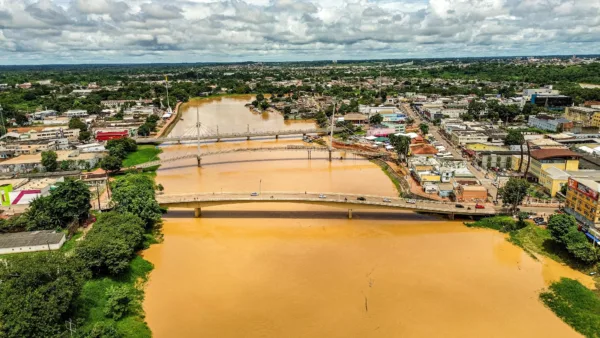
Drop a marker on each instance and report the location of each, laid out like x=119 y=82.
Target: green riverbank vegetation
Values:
x=94 y=289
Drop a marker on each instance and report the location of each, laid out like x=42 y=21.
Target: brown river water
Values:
x=287 y=270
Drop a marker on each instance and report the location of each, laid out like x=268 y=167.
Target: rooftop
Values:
x=543 y=154
x=37 y=158
x=32 y=238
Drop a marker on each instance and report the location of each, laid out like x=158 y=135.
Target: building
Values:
x=29 y=163
x=469 y=191
x=76 y=113
x=31 y=241
x=542 y=159
x=393 y=117
x=462 y=137
x=102 y=136
x=546 y=90
x=55 y=133
x=550 y=123
x=552 y=102
x=119 y=103
x=553 y=179
x=356 y=118
x=40 y=115
x=30 y=147
x=584 y=115
x=398 y=127
x=582 y=201
x=380 y=131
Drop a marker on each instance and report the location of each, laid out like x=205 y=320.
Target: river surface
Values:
x=287 y=270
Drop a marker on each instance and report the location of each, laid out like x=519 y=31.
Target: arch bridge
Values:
x=351 y=202
x=309 y=151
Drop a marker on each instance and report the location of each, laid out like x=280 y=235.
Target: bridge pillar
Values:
x=451 y=216
x=248 y=138
x=197 y=212
x=199 y=161
x=349 y=213
x=277 y=137
x=330 y=155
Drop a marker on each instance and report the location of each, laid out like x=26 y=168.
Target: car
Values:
x=322 y=196
x=387 y=200
x=479 y=206
x=411 y=201
x=254 y=194
x=460 y=206
x=360 y=198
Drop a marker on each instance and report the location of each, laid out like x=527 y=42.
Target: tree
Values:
x=111 y=163
x=558 y=226
x=119 y=302
x=376 y=119
x=424 y=128
x=264 y=105
x=144 y=130
x=578 y=246
x=37 y=293
x=260 y=97
x=112 y=243
x=401 y=144
x=476 y=108
x=513 y=138
x=76 y=123
x=21 y=119
x=514 y=192
x=136 y=194
x=49 y=160
x=105 y=329
x=84 y=136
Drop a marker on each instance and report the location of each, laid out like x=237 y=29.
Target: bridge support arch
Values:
x=197 y=212
x=349 y=213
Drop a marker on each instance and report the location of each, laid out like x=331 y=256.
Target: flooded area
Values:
x=227 y=114
x=294 y=270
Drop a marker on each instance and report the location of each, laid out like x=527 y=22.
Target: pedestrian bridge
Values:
x=221 y=136
x=308 y=150
x=351 y=202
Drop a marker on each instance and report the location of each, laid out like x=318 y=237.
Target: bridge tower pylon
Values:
x=198 y=154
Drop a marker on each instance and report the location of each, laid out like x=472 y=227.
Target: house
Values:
x=423 y=150
x=40 y=115
x=462 y=137
x=25 y=85
x=31 y=241
x=468 y=191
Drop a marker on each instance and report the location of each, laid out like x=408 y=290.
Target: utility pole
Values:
x=168 y=104
x=98 y=192
x=69 y=326
x=198 y=136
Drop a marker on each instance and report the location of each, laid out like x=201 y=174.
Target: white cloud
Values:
x=230 y=30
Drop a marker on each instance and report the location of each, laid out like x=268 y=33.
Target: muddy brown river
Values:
x=293 y=270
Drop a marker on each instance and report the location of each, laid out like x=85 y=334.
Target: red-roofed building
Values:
x=423 y=150
x=111 y=135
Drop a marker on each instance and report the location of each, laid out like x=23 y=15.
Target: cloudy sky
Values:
x=126 y=31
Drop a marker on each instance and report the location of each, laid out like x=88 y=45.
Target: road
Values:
x=435 y=131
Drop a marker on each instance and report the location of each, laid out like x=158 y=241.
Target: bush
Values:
x=102 y=330
x=500 y=223
x=118 y=302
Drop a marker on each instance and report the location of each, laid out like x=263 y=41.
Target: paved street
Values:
x=436 y=133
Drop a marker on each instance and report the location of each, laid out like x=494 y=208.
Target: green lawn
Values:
x=91 y=302
x=145 y=153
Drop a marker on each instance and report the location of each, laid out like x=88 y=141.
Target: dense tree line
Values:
x=564 y=232
x=39 y=292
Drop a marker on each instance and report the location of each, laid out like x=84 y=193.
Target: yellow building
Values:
x=486 y=147
x=516 y=161
x=596 y=119
x=582 y=201
x=542 y=159
x=553 y=179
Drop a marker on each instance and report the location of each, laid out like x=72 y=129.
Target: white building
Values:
x=54 y=133
x=547 y=90
x=44 y=240
x=76 y=113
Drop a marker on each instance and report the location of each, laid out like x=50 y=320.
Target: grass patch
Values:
x=144 y=153
x=499 y=223
x=576 y=305
x=71 y=243
x=90 y=304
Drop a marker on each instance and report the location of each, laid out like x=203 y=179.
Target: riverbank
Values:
x=569 y=299
x=171 y=122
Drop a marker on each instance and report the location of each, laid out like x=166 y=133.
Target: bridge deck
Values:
x=144 y=140
x=340 y=200
x=262 y=149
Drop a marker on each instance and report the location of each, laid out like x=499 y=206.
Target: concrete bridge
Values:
x=221 y=136
x=309 y=151
x=340 y=200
